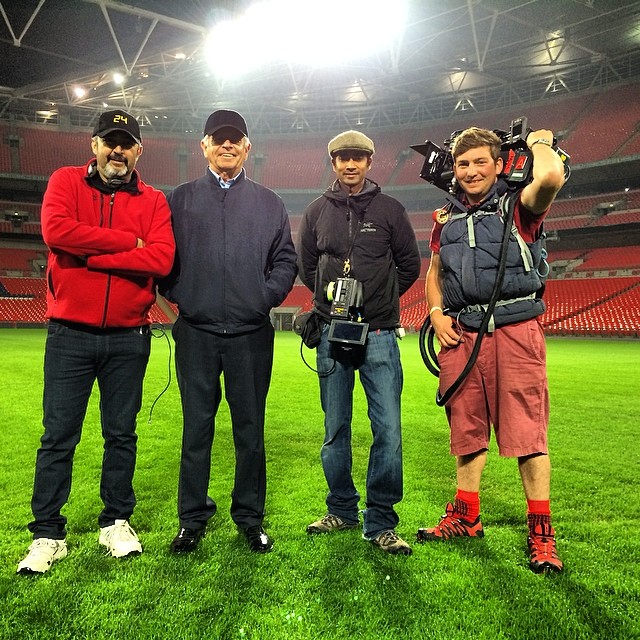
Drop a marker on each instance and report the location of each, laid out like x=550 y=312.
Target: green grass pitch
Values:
x=336 y=586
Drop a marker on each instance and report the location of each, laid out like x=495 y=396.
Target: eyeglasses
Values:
x=125 y=142
x=234 y=137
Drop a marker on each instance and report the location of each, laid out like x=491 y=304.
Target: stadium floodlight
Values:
x=317 y=33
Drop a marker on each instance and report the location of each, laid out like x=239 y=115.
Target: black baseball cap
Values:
x=117 y=120
x=225 y=118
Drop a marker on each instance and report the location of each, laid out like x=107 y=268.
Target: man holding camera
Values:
x=358 y=254
x=507 y=385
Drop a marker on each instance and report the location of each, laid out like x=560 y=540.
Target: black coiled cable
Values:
x=427 y=334
x=158 y=331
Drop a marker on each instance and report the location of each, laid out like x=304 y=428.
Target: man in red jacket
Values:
x=109 y=236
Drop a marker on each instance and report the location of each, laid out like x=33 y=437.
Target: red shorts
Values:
x=507 y=387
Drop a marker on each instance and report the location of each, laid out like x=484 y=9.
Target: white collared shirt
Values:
x=224 y=184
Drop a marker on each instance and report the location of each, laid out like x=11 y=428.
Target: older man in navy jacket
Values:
x=235 y=262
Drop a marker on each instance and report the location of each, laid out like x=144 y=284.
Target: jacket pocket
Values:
x=50 y=286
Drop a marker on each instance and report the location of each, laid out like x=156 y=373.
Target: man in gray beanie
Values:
x=358 y=254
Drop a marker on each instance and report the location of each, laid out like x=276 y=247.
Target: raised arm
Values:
x=548 y=172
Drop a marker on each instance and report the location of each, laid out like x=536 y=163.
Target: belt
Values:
x=99 y=331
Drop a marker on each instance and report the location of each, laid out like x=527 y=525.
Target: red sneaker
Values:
x=543 y=556
x=452 y=525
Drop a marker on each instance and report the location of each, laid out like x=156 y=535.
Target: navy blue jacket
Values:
x=235 y=259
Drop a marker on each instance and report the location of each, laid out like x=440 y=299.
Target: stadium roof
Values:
x=455 y=55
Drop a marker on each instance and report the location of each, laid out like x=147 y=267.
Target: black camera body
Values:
x=346 y=296
x=517 y=158
x=437 y=168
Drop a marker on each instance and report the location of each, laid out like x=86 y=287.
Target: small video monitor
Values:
x=348 y=332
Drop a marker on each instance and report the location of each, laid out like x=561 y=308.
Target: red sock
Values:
x=539 y=507
x=539 y=517
x=468 y=504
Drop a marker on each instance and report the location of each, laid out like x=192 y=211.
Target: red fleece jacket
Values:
x=95 y=274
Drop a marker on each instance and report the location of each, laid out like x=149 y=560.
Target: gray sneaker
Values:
x=391 y=542
x=43 y=552
x=330 y=523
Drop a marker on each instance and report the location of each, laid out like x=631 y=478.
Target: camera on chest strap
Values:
x=347 y=323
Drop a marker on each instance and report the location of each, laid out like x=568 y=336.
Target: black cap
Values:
x=225 y=118
x=117 y=121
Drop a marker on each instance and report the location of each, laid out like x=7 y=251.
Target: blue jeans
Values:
x=378 y=362
x=75 y=357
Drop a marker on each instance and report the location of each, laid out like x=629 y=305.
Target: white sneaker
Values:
x=120 y=539
x=43 y=552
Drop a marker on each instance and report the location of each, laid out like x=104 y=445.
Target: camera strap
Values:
x=442 y=399
x=454 y=202
x=346 y=268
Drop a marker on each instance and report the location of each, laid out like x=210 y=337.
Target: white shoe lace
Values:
x=123 y=532
x=121 y=538
x=43 y=548
x=42 y=553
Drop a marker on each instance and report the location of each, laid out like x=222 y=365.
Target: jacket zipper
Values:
x=350 y=217
x=108 y=291
x=224 y=258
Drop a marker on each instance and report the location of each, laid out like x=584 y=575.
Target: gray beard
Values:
x=112 y=172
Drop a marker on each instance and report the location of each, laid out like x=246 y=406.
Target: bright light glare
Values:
x=313 y=32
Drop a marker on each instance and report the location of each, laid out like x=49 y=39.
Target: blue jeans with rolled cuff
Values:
x=378 y=364
x=75 y=357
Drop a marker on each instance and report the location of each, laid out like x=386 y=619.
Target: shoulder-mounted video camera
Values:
x=346 y=296
x=437 y=168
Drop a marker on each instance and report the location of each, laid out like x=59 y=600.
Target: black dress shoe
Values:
x=186 y=540
x=258 y=539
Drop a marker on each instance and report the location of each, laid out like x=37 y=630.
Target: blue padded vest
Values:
x=470 y=246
